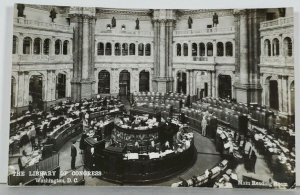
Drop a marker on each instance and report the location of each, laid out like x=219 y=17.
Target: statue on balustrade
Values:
x=20 y=8
x=113 y=22
x=137 y=24
x=215 y=20
x=190 y=22
x=52 y=14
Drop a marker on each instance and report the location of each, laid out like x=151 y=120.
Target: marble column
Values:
x=21 y=89
x=214 y=88
x=85 y=48
x=243 y=48
x=210 y=84
x=188 y=82
x=162 y=48
x=214 y=48
x=280 y=91
x=83 y=22
x=285 y=94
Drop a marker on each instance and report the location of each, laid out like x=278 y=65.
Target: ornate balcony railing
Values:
x=277 y=60
x=214 y=30
x=42 y=25
x=127 y=32
x=42 y=58
x=280 y=22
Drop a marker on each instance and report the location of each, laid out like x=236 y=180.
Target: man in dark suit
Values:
x=73 y=155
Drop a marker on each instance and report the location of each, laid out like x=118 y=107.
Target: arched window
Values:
x=210 y=49
x=220 y=49
x=65 y=47
x=141 y=49
x=108 y=27
x=37 y=46
x=185 y=49
x=178 y=48
x=117 y=49
x=267 y=47
x=124 y=49
x=61 y=86
x=288 y=46
x=275 y=47
x=201 y=49
x=27 y=45
x=36 y=90
x=15 y=43
x=148 y=49
x=229 y=49
x=46 y=46
x=225 y=87
x=144 y=81
x=132 y=49
x=57 y=47
x=194 y=49
x=100 y=49
x=103 y=82
x=108 y=49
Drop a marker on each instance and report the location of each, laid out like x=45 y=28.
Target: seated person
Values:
x=152 y=147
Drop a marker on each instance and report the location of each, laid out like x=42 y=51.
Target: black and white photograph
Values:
x=152 y=97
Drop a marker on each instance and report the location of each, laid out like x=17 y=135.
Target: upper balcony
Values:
x=277 y=23
x=124 y=59
x=22 y=22
x=204 y=59
x=36 y=59
x=118 y=32
x=281 y=61
x=205 y=31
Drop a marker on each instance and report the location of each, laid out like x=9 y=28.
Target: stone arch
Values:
x=229 y=48
x=37 y=45
x=148 y=49
x=220 y=49
x=36 y=89
x=27 y=45
x=57 y=47
x=275 y=47
x=125 y=77
x=224 y=85
x=47 y=46
x=144 y=80
x=103 y=81
x=288 y=46
x=267 y=47
x=271 y=92
x=209 y=49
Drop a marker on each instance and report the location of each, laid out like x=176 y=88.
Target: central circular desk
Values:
x=139 y=154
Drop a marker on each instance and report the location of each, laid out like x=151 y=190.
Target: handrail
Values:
x=283 y=21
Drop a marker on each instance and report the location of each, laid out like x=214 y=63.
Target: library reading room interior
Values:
x=165 y=97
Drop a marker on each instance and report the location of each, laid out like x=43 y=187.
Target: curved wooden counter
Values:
x=143 y=170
